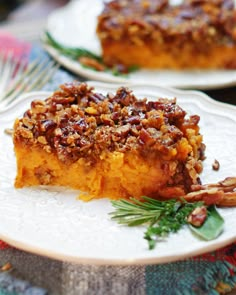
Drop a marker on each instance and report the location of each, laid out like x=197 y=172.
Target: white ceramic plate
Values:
x=52 y=222
x=74 y=25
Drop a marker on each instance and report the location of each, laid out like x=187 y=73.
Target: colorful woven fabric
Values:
x=18 y=48
x=212 y=273
x=3 y=245
x=9 y=285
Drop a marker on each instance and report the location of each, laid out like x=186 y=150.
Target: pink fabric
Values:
x=8 y=43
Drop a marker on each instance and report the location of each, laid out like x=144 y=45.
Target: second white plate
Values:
x=75 y=26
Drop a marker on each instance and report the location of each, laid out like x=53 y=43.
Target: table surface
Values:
x=26 y=23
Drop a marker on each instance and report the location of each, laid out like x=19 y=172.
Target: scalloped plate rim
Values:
x=217 y=107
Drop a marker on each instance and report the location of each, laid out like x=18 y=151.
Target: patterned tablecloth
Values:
x=25 y=273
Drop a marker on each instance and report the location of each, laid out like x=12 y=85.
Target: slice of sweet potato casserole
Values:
x=156 y=34
x=113 y=145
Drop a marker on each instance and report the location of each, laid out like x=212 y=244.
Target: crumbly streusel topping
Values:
x=194 y=20
x=75 y=121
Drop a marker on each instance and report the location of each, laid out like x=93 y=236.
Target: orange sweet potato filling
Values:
x=159 y=57
x=116 y=175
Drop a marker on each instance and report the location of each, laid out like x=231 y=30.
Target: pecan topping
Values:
x=199 y=21
x=78 y=122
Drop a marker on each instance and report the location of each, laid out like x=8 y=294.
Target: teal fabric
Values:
x=189 y=277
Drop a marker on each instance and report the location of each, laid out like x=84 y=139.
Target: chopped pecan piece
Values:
x=216 y=165
x=198 y=216
x=92 y=63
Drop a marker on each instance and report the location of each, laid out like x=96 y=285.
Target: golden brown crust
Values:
x=78 y=124
x=163 y=32
x=76 y=121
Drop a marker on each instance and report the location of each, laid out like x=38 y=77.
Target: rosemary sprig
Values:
x=161 y=217
x=74 y=53
x=96 y=61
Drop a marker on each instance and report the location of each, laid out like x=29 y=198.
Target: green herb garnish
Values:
x=164 y=217
x=74 y=53
x=77 y=53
